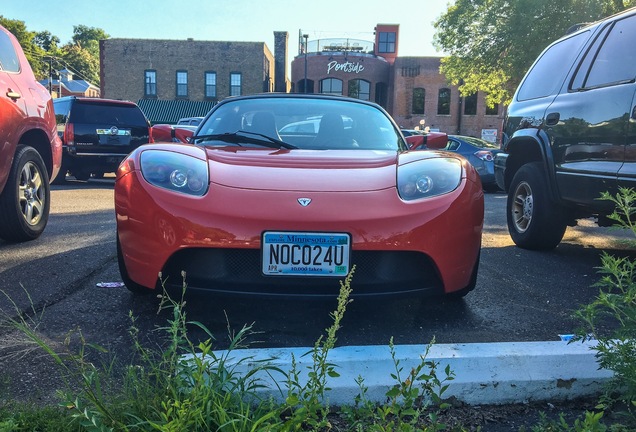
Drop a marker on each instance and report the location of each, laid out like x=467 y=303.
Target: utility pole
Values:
x=50 y=75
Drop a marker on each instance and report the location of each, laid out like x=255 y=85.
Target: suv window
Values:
x=615 y=62
x=107 y=114
x=61 y=110
x=547 y=74
x=8 y=58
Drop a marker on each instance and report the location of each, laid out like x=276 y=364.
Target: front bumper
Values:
x=427 y=246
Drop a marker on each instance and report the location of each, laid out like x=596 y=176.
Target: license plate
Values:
x=305 y=254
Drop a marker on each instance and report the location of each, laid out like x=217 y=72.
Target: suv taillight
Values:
x=69 y=135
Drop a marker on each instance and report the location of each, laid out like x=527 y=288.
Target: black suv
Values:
x=97 y=134
x=570 y=133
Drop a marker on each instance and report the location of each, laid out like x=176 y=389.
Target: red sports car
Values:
x=245 y=209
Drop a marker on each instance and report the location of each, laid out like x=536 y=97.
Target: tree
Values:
x=32 y=51
x=46 y=41
x=81 y=62
x=88 y=38
x=492 y=43
x=81 y=55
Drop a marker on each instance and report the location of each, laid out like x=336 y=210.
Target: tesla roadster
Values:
x=245 y=209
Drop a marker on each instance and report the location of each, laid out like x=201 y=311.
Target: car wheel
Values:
x=25 y=201
x=534 y=221
x=132 y=286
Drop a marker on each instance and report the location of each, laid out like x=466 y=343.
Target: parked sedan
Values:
x=246 y=209
x=480 y=153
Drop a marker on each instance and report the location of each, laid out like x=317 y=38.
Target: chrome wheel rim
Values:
x=522 y=207
x=31 y=194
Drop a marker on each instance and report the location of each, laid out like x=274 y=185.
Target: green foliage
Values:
x=591 y=422
x=306 y=403
x=45 y=55
x=491 y=44
x=160 y=389
x=413 y=402
x=615 y=309
x=32 y=51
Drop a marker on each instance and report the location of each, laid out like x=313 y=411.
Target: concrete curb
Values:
x=485 y=373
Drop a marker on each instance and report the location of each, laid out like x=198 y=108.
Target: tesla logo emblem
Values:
x=304 y=201
x=114 y=130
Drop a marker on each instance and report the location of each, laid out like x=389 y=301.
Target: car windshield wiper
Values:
x=247 y=137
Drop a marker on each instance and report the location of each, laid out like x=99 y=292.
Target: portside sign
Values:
x=344 y=67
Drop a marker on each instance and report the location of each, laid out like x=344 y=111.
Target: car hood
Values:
x=303 y=170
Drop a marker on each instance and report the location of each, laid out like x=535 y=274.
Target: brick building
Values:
x=160 y=72
x=183 y=78
x=411 y=89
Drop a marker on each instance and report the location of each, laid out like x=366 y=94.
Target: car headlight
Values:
x=175 y=171
x=429 y=177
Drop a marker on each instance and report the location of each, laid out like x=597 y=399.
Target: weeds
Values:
x=165 y=390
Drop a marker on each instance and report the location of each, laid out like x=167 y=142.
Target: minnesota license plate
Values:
x=305 y=254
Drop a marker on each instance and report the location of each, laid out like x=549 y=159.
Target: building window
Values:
x=443 y=101
x=360 y=89
x=331 y=86
x=310 y=86
x=210 y=85
x=381 y=93
x=150 y=86
x=386 y=42
x=494 y=110
x=470 y=104
x=235 y=84
x=419 y=97
x=182 y=84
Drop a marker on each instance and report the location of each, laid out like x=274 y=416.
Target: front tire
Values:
x=26 y=199
x=535 y=221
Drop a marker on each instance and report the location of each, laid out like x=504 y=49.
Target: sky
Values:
x=236 y=20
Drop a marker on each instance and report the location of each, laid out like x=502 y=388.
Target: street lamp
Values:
x=305 y=36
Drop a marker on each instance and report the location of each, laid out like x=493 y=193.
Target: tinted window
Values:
x=109 y=114
x=616 y=60
x=61 y=108
x=8 y=58
x=549 y=71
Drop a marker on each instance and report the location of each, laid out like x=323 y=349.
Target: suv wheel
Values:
x=534 y=220
x=25 y=202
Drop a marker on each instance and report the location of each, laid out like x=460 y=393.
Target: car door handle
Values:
x=552 y=119
x=13 y=95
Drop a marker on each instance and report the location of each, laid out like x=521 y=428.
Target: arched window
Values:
x=360 y=89
x=419 y=97
x=470 y=104
x=331 y=86
x=443 y=101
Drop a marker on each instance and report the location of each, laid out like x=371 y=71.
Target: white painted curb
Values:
x=485 y=373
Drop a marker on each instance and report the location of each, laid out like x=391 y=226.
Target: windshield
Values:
x=303 y=123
